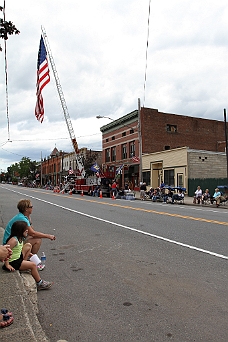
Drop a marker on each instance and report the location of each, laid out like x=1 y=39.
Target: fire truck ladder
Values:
x=79 y=160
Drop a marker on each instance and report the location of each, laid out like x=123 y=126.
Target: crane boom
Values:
x=79 y=160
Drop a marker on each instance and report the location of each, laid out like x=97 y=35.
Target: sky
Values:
x=107 y=57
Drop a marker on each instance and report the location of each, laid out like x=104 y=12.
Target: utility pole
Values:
x=140 y=141
x=226 y=139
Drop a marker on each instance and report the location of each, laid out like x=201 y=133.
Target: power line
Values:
x=81 y=136
x=147 y=43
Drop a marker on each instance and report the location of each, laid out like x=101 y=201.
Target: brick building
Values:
x=51 y=167
x=56 y=166
x=159 y=132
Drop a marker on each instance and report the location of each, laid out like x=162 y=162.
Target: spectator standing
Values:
x=114 y=189
x=142 y=191
x=96 y=191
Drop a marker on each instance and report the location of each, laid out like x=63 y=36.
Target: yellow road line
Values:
x=141 y=209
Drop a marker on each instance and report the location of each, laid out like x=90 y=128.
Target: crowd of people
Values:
x=166 y=194
x=203 y=197
x=163 y=193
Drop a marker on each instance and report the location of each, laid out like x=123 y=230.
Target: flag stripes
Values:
x=135 y=159
x=43 y=78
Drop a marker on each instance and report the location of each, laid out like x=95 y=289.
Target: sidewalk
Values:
x=19 y=295
x=189 y=201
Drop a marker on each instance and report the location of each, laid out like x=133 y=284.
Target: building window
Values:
x=171 y=128
x=107 y=155
x=113 y=138
x=132 y=148
x=169 y=177
x=146 y=177
x=124 y=134
x=131 y=131
x=167 y=147
x=107 y=140
x=124 y=151
x=113 y=153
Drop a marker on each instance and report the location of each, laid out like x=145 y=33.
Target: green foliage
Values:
x=26 y=169
x=88 y=162
x=7 y=28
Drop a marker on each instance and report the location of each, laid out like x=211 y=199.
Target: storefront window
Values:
x=169 y=177
x=146 y=177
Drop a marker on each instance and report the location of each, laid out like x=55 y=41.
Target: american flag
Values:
x=70 y=171
x=43 y=78
x=135 y=159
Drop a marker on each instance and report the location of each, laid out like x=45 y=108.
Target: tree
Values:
x=26 y=169
x=13 y=172
x=89 y=161
x=7 y=28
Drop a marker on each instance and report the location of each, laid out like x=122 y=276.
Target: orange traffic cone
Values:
x=82 y=193
x=100 y=194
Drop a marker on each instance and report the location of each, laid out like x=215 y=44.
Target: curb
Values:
x=19 y=295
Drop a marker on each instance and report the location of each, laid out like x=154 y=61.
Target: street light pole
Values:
x=107 y=117
x=226 y=138
x=140 y=141
x=104 y=117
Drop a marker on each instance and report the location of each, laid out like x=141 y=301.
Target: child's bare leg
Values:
x=26 y=250
x=35 y=242
x=29 y=265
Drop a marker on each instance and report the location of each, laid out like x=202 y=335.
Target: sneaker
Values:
x=40 y=267
x=45 y=285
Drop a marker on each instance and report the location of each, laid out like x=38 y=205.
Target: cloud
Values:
x=99 y=50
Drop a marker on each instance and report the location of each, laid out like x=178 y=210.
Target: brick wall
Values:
x=196 y=133
x=116 y=139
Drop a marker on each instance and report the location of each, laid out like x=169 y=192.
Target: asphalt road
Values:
x=129 y=270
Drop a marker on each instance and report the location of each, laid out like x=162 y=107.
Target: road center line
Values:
x=221 y=256
x=186 y=217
